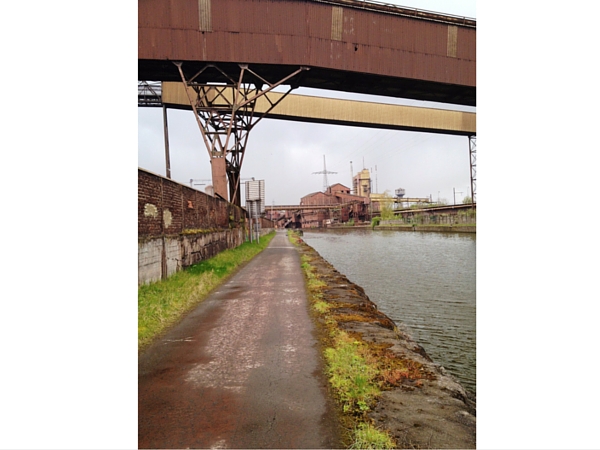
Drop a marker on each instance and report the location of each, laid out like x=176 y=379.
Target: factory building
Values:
x=342 y=207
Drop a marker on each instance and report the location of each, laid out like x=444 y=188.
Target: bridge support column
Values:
x=219 y=176
x=225 y=113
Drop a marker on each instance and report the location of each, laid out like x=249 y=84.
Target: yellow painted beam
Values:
x=306 y=108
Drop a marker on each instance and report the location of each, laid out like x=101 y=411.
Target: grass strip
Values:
x=163 y=303
x=366 y=436
x=354 y=371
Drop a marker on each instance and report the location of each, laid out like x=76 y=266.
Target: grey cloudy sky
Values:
x=70 y=215
x=285 y=154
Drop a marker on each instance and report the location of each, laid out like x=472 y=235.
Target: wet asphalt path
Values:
x=242 y=370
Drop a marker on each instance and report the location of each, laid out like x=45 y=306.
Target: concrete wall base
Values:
x=161 y=257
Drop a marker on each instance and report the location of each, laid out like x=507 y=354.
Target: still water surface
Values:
x=425 y=282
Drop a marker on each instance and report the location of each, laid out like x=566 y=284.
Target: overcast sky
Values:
x=70 y=216
x=285 y=154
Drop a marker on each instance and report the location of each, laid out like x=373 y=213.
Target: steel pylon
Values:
x=473 y=164
x=225 y=113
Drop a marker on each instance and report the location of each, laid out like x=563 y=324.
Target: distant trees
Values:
x=440 y=202
x=467 y=200
x=386 y=206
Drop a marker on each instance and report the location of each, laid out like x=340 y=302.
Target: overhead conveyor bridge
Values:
x=304 y=108
x=254 y=48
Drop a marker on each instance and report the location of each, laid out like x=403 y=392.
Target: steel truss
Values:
x=225 y=113
x=473 y=163
x=149 y=93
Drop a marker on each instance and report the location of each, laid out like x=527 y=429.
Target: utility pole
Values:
x=454 y=190
x=166 y=135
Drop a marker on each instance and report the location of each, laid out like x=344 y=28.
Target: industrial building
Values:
x=338 y=204
x=343 y=207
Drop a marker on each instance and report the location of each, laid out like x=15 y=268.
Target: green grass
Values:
x=351 y=367
x=164 y=303
x=366 y=436
x=352 y=373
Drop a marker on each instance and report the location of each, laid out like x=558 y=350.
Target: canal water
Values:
x=423 y=281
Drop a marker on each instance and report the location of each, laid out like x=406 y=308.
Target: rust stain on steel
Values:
x=347 y=112
x=334 y=37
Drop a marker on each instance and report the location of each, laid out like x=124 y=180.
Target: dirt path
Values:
x=242 y=370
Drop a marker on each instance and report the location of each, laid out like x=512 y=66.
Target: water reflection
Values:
x=424 y=281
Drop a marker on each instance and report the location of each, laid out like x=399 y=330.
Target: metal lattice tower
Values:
x=225 y=113
x=473 y=163
x=324 y=172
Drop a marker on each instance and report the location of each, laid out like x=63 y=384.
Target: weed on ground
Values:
x=353 y=370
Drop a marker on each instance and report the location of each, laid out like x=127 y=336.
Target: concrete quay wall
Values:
x=443 y=229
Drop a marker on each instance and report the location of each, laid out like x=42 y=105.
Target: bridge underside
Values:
x=351 y=46
x=253 y=47
x=319 y=78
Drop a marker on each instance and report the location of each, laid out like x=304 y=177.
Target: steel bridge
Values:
x=305 y=108
x=230 y=54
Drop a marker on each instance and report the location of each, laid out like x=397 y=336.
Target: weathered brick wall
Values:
x=167 y=208
x=266 y=223
x=172 y=203
x=149 y=204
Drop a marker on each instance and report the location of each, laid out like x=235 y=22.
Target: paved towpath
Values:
x=242 y=370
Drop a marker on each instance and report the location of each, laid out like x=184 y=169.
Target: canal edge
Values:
x=430 y=410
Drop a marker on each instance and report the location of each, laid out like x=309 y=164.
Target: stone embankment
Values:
x=455 y=228
x=421 y=407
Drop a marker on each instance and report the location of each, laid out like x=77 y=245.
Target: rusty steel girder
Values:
x=226 y=113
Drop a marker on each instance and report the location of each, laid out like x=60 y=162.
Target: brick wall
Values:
x=168 y=208
x=149 y=204
x=266 y=223
x=165 y=210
